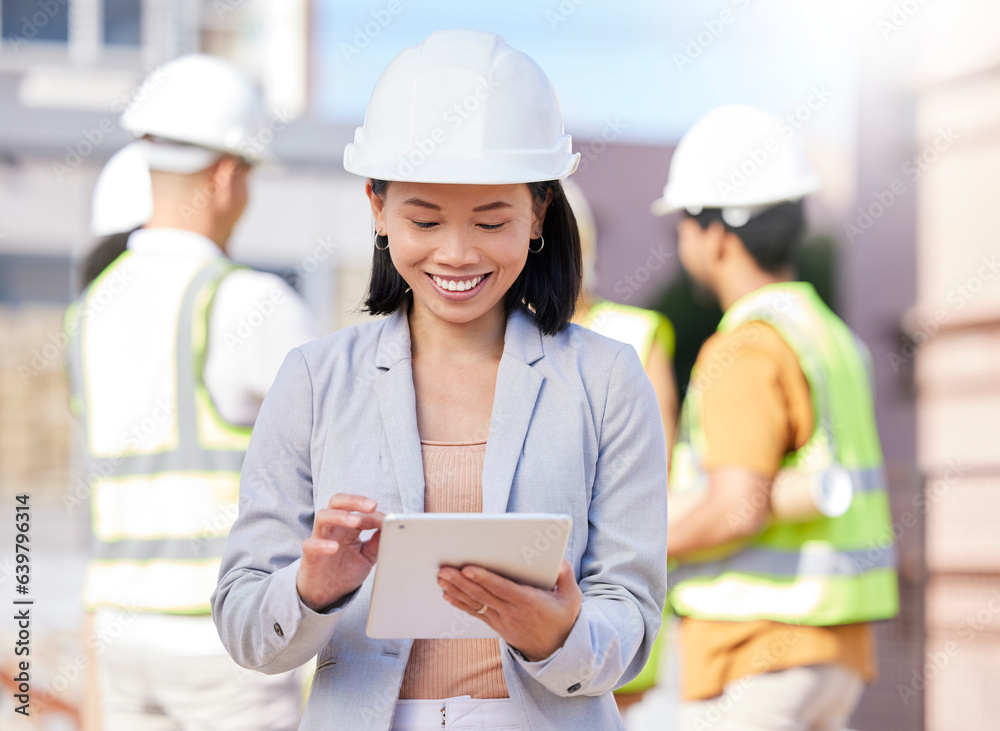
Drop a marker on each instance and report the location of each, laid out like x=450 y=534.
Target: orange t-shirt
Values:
x=756 y=409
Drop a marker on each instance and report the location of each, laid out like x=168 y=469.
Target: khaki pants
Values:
x=150 y=691
x=810 y=698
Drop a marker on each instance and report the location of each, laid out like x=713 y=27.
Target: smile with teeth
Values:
x=458 y=285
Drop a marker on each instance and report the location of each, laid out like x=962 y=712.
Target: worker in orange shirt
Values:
x=776 y=602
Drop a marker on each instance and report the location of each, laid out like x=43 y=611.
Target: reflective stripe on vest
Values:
x=160 y=516
x=631 y=325
x=824 y=571
x=153 y=585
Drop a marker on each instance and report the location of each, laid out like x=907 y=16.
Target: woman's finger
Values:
x=450 y=590
x=566 y=585
x=318 y=548
x=346 y=501
x=509 y=591
x=471 y=611
x=327 y=519
x=476 y=593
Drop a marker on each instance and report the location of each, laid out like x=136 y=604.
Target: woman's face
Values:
x=459 y=247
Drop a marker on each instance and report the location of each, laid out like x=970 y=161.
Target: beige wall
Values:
x=958 y=384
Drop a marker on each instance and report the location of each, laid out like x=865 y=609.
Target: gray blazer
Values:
x=575 y=429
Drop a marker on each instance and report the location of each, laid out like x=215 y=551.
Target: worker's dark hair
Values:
x=549 y=283
x=104 y=251
x=772 y=238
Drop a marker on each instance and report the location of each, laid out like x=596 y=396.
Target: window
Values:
x=122 y=22
x=34 y=20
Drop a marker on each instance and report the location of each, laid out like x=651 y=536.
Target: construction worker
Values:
x=122 y=202
x=775 y=611
x=172 y=350
x=652 y=336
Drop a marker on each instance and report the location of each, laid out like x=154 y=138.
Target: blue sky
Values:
x=654 y=66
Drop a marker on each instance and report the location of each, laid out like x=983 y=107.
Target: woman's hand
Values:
x=334 y=561
x=534 y=621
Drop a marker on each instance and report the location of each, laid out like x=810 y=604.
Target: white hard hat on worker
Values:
x=194 y=110
x=123 y=197
x=735 y=158
x=462 y=107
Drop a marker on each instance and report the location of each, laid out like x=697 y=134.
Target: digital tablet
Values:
x=407 y=602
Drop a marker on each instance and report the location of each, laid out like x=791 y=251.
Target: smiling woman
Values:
x=511 y=221
x=475 y=394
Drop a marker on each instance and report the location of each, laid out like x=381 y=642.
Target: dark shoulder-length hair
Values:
x=548 y=285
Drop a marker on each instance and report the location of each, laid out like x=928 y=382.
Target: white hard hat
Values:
x=123 y=195
x=462 y=107
x=196 y=109
x=735 y=158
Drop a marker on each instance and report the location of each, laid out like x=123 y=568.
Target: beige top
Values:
x=453 y=483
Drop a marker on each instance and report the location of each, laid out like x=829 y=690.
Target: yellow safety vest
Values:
x=164 y=487
x=633 y=325
x=826 y=571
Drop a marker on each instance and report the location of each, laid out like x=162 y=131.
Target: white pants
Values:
x=463 y=712
x=153 y=691
x=810 y=698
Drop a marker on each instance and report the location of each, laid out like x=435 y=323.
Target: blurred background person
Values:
x=122 y=202
x=173 y=348
x=776 y=612
x=652 y=336
x=648 y=331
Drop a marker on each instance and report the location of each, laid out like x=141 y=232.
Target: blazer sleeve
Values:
x=256 y=607
x=623 y=568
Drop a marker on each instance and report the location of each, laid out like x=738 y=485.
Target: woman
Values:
x=475 y=394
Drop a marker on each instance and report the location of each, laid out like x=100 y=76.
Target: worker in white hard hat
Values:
x=776 y=607
x=474 y=394
x=122 y=203
x=172 y=350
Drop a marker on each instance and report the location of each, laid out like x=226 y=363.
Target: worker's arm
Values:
x=661 y=375
x=755 y=409
x=736 y=506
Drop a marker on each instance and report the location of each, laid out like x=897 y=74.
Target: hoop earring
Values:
x=380 y=236
x=542 y=246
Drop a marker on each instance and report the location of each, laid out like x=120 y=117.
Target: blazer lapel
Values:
x=513 y=404
x=398 y=405
x=514 y=400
